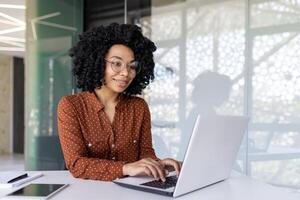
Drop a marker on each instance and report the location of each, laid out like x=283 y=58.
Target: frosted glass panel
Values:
x=229 y=58
x=274 y=136
x=193 y=72
x=274 y=153
x=274 y=12
x=276 y=83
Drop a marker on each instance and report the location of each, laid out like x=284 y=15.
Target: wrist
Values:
x=124 y=170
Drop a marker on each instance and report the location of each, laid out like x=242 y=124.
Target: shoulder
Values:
x=74 y=100
x=134 y=104
x=137 y=102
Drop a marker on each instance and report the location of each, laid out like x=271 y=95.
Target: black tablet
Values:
x=37 y=191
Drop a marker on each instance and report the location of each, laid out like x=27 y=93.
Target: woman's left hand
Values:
x=173 y=163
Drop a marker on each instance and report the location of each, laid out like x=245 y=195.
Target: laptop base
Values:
x=136 y=187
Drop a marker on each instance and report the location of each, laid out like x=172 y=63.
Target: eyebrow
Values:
x=122 y=58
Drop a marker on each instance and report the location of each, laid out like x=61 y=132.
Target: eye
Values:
x=117 y=64
x=133 y=65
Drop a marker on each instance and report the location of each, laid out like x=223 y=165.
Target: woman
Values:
x=105 y=131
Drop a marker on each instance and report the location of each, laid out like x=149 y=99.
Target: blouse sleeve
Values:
x=146 y=149
x=75 y=151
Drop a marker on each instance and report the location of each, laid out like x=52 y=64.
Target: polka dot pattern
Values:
x=95 y=148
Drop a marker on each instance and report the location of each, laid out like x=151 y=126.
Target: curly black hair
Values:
x=89 y=53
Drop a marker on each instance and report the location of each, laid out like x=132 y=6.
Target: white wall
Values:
x=5 y=103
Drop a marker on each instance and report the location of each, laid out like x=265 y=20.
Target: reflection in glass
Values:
x=201 y=42
x=210 y=91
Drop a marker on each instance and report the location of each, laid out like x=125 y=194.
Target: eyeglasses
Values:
x=118 y=65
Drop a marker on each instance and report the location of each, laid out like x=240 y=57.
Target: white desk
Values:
x=238 y=187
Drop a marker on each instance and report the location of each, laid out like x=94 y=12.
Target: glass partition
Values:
x=199 y=67
x=274 y=135
x=229 y=57
x=52 y=28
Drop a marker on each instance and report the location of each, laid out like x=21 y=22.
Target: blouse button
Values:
x=113 y=158
x=134 y=141
x=113 y=146
x=89 y=144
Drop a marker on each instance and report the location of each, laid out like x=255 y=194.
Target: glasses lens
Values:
x=118 y=65
x=134 y=66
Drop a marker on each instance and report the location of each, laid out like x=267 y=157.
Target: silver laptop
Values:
x=209 y=158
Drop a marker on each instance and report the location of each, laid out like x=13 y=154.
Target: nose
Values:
x=125 y=71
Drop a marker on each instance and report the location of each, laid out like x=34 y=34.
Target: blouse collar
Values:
x=98 y=105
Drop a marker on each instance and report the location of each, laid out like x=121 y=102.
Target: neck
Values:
x=106 y=96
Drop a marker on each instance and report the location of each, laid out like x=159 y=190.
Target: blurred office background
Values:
x=236 y=57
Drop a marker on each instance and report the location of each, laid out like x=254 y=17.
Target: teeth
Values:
x=121 y=82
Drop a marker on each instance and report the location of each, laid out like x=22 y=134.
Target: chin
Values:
x=120 y=90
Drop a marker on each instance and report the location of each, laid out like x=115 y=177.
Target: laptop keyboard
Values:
x=170 y=182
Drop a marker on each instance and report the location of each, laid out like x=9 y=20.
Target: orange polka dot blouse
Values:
x=94 y=148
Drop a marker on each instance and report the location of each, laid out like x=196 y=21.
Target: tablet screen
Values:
x=37 y=190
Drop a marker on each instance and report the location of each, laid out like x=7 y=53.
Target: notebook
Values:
x=209 y=158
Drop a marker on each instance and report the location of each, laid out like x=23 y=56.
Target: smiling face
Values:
x=119 y=57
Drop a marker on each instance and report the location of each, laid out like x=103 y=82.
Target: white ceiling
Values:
x=12 y=27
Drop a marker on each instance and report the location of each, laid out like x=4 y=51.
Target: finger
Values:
x=147 y=171
x=153 y=163
x=176 y=165
x=146 y=165
x=161 y=173
x=173 y=163
x=153 y=170
x=159 y=169
x=160 y=166
x=157 y=163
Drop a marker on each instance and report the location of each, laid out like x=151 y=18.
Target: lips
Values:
x=121 y=83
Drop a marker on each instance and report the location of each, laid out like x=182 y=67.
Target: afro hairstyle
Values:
x=88 y=56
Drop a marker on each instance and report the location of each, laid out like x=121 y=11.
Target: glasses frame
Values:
x=123 y=66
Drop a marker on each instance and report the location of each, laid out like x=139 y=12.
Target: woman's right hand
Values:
x=146 y=166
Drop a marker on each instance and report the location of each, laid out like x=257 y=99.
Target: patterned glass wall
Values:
x=235 y=57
